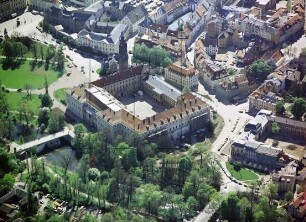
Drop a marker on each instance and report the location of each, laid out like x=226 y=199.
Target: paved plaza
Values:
x=143 y=106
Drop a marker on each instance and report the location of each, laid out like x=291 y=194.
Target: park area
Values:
x=25 y=74
x=14 y=99
x=242 y=174
x=60 y=95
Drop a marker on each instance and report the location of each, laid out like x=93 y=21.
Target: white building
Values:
x=134 y=18
x=181 y=75
x=97 y=106
x=101 y=42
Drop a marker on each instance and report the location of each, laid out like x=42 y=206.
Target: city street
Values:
x=234 y=121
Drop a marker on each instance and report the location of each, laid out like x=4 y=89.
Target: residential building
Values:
x=171 y=11
x=15 y=201
x=182 y=75
x=254 y=154
x=196 y=24
x=211 y=73
x=211 y=46
x=154 y=30
x=276 y=28
x=265 y=5
x=285 y=178
x=8 y=7
x=265 y=96
x=43 y=5
x=290 y=127
x=274 y=58
x=259 y=126
x=297 y=208
x=134 y=18
x=71 y=21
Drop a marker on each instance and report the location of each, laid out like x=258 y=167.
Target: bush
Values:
x=46 y=100
x=104 y=175
x=63 y=101
x=237 y=166
x=93 y=174
x=45 y=188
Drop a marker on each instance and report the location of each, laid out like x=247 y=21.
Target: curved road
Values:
x=234 y=120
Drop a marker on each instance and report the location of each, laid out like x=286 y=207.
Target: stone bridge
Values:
x=44 y=144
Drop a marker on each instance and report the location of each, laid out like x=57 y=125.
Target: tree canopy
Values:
x=260 y=70
x=156 y=56
x=298 y=108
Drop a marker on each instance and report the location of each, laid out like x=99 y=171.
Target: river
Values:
x=60 y=155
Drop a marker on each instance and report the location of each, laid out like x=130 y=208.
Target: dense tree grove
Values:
x=260 y=70
x=251 y=207
x=155 y=57
x=135 y=174
x=8 y=168
x=15 y=48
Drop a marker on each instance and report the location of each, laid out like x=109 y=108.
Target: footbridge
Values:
x=44 y=144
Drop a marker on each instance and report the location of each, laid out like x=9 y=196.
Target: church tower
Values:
x=123 y=54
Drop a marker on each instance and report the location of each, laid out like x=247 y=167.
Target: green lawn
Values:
x=18 y=77
x=60 y=95
x=244 y=173
x=14 y=98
